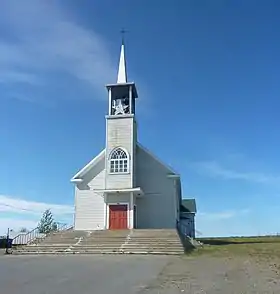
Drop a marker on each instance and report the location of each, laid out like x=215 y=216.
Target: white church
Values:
x=125 y=186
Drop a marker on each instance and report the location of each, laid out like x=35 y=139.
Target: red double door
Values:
x=118 y=217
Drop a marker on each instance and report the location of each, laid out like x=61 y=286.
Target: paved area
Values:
x=121 y=274
x=74 y=274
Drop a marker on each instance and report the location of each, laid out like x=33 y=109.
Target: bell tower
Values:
x=121 y=130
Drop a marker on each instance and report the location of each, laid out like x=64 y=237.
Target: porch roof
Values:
x=138 y=191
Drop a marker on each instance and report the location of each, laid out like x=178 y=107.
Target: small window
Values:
x=119 y=161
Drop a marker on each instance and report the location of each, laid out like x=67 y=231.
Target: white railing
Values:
x=29 y=237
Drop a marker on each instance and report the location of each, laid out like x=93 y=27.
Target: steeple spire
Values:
x=122 y=75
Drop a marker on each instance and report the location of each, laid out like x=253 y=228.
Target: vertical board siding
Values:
x=89 y=204
x=120 y=133
x=156 y=209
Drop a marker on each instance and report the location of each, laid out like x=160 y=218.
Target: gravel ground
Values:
x=213 y=275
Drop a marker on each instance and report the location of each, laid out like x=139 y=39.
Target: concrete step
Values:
x=58 y=242
x=156 y=241
x=105 y=238
x=86 y=243
x=77 y=247
x=96 y=246
x=100 y=251
x=108 y=242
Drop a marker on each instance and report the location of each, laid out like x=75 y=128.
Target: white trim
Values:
x=131 y=219
x=110 y=100
x=106 y=154
x=120 y=116
x=157 y=159
x=130 y=99
x=174 y=176
x=119 y=173
x=77 y=181
x=186 y=212
x=132 y=151
x=105 y=210
x=120 y=84
x=118 y=147
x=175 y=201
x=128 y=161
x=108 y=212
x=75 y=206
x=86 y=168
x=127 y=190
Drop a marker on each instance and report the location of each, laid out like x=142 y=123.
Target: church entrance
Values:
x=117 y=216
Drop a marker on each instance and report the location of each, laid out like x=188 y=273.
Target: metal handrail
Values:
x=183 y=229
x=29 y=237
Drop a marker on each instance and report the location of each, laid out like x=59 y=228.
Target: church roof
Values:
x=188 y=205
x=172 y=172
x=77 y=177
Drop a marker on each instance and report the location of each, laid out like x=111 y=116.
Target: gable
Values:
x=93 y=167
x=98 y=163
x=150 y=156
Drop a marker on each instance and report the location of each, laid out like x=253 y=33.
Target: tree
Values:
x=54 y=227
x=23 y=230
x=47 y=223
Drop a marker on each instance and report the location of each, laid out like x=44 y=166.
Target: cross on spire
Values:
x=122 y=75
x=123 y=32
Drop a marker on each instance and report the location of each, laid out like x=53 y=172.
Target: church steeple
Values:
x=121 y=128
x=122 y=75
x=122 y=95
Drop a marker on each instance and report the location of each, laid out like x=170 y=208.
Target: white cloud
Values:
x=216 y=216
x=227 y=223
x=16 y=213
x=13 y=76
x=42 y=39
x=222 y=214
x=17 y=205
x=214 y=169
x=15 y=225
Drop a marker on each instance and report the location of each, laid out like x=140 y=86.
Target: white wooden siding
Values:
x=120 y=133
x=158 y=207
x=118 y=198
x=89 y=205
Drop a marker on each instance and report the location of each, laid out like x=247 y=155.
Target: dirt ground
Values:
x=234 y=268
x=213 y=275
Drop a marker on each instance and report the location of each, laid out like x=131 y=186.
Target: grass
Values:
x=260 y=247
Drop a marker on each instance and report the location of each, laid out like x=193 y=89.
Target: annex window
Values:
x=119 y=161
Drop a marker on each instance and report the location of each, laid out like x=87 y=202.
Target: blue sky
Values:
x=208 y=78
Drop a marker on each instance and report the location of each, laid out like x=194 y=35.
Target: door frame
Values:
x=108 y=212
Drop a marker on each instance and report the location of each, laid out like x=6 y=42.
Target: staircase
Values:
x=165 y=241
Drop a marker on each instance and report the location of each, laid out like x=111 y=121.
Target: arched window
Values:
x=118 y=161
